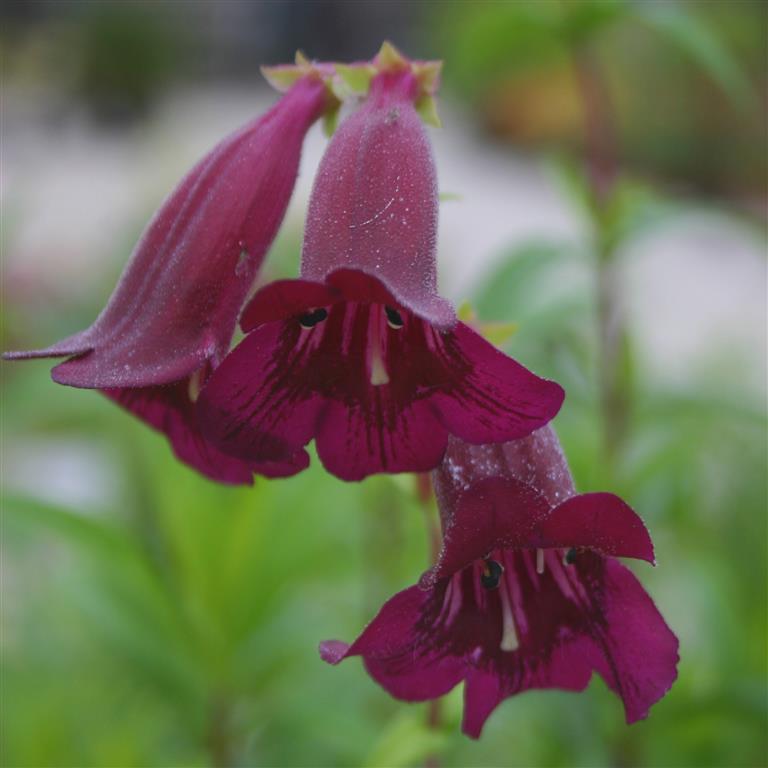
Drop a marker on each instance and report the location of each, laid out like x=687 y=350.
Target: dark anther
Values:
x=491 y=574
x=570 y=556
x=394 y=318
x=312 y=318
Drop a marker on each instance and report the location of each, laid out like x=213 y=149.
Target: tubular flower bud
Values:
x=361 y=353
x=526 y=592
x=171 y=318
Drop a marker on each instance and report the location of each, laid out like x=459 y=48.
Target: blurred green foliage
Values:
x=686 y=77
x=126 y=55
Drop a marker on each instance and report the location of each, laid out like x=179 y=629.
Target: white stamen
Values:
x=379 y=373
x=509 y=641
x=195 y=384
x=539 y=561
x=378 y=369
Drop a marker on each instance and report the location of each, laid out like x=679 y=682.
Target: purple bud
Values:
x=174 y=310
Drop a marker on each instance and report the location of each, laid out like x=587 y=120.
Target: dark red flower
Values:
x=361 y=353
x=171 y=317
x=526 y=592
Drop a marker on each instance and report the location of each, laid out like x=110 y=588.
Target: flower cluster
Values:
x=362 y=355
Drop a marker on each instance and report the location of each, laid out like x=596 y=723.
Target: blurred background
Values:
x=603 y=170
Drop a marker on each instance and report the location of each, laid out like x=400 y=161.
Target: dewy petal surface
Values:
x=173 y=312
x=374 y=203
x=521 y=494
x=176 y=304
x=536 y=460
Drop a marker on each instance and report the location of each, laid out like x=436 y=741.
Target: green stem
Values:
x=434 y=717
x=218 y=737
x=426 y=496
x=602 y=172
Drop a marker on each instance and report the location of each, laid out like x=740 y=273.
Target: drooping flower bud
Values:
x=171 y=317
x=374 y=203
x=384 y=373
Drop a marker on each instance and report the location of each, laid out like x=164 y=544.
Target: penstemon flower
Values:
x=361 y=353
x=171 y=318
x=526 y=592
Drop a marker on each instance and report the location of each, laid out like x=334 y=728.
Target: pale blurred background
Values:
x=150 y=618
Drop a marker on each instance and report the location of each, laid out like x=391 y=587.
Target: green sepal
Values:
x=428 y=76
x=465 y=312
x=331 y=119
x=494 y=333
x=282 y=77
x=389 y=59
x=356 y=78
x=498 y=334
x=426 y=106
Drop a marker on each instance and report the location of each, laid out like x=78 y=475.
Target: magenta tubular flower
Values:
x=361 y=353
x=172 y=315
x=526 y=592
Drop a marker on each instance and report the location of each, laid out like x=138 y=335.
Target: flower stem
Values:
x=602 y=174
x=434 y=716
x=599 y=127
x=425 y=496
x=218 y=736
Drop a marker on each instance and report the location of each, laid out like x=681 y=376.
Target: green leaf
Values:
x=426 y=106
x=692 y=35
x=121 y=594
x=508 y=293
x=93 y=534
